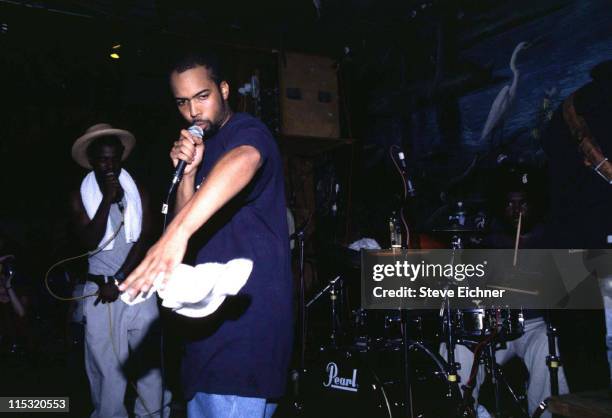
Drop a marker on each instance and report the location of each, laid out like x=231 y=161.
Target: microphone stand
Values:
x=300 y=236
x=297 y=374
x=333 y=289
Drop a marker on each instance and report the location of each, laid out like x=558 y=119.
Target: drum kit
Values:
x=388 y=363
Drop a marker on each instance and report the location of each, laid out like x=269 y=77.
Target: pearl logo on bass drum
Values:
x=342 y=383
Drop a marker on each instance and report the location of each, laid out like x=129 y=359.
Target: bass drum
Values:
x=381 y=328
x=351 y=383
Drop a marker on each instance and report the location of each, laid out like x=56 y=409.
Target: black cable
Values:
x=161 y=325
x=162 y=371
x=165 y=207
x=162 y=368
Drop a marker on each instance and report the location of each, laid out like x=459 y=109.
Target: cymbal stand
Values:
x=447 y=322
x=553 y=361
x=447 y=325
x=407 y=369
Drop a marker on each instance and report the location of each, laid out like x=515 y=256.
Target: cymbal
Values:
x=396 y=252
x=455 y=228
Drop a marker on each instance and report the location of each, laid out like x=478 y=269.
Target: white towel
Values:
x=198 y=291
x=367 y=243
x=92 y=197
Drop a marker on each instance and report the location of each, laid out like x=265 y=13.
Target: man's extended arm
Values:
x=228 y=177
x=184 y=192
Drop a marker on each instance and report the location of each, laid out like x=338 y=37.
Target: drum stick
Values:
x=518 y=236
x=512 y=289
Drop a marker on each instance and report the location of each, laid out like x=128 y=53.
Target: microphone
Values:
x=335 y=192
x=194 y=130
x=402 y=160
x=119 y=203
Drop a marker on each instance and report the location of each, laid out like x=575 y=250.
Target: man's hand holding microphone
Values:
x=187 y=152
x=112 y=192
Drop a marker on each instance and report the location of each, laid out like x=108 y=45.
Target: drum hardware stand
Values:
x=467 y=407
x=452 y=377
x=333 y=297
x=362 y=342
x=300 y=235
x=456 y=242
x=497 y=377
x=334 y=288
x=540 y=409
x=296 y=375
x=553 y=361
x=407 y=369
x=502 y=380
x=494 y=373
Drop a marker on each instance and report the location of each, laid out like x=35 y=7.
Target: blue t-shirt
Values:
x=244 y=348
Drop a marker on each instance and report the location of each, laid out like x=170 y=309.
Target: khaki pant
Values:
x=532 y=348
x=136 y=346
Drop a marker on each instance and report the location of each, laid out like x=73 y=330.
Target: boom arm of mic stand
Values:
x=325 y=289
x=301 y=230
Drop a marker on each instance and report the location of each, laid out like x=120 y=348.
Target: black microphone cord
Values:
x=176 y=179
x=162 y=368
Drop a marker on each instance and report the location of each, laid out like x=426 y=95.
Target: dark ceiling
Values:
x=414 y=46
x=311 y=25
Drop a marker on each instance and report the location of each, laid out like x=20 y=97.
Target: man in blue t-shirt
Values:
x=231 y=200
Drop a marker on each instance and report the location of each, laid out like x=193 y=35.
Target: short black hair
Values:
x=107 y=140
x=208 y=59
x=519 y=178
x=602 y=72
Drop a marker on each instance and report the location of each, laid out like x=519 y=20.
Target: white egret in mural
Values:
x=505 y=98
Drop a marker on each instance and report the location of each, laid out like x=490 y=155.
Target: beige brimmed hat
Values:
x=79 y=148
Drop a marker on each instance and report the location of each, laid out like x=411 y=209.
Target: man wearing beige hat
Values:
x=112 y=222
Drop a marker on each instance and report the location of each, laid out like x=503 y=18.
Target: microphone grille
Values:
x=196 y=131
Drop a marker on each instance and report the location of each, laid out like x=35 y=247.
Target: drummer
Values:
x=517 y=198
